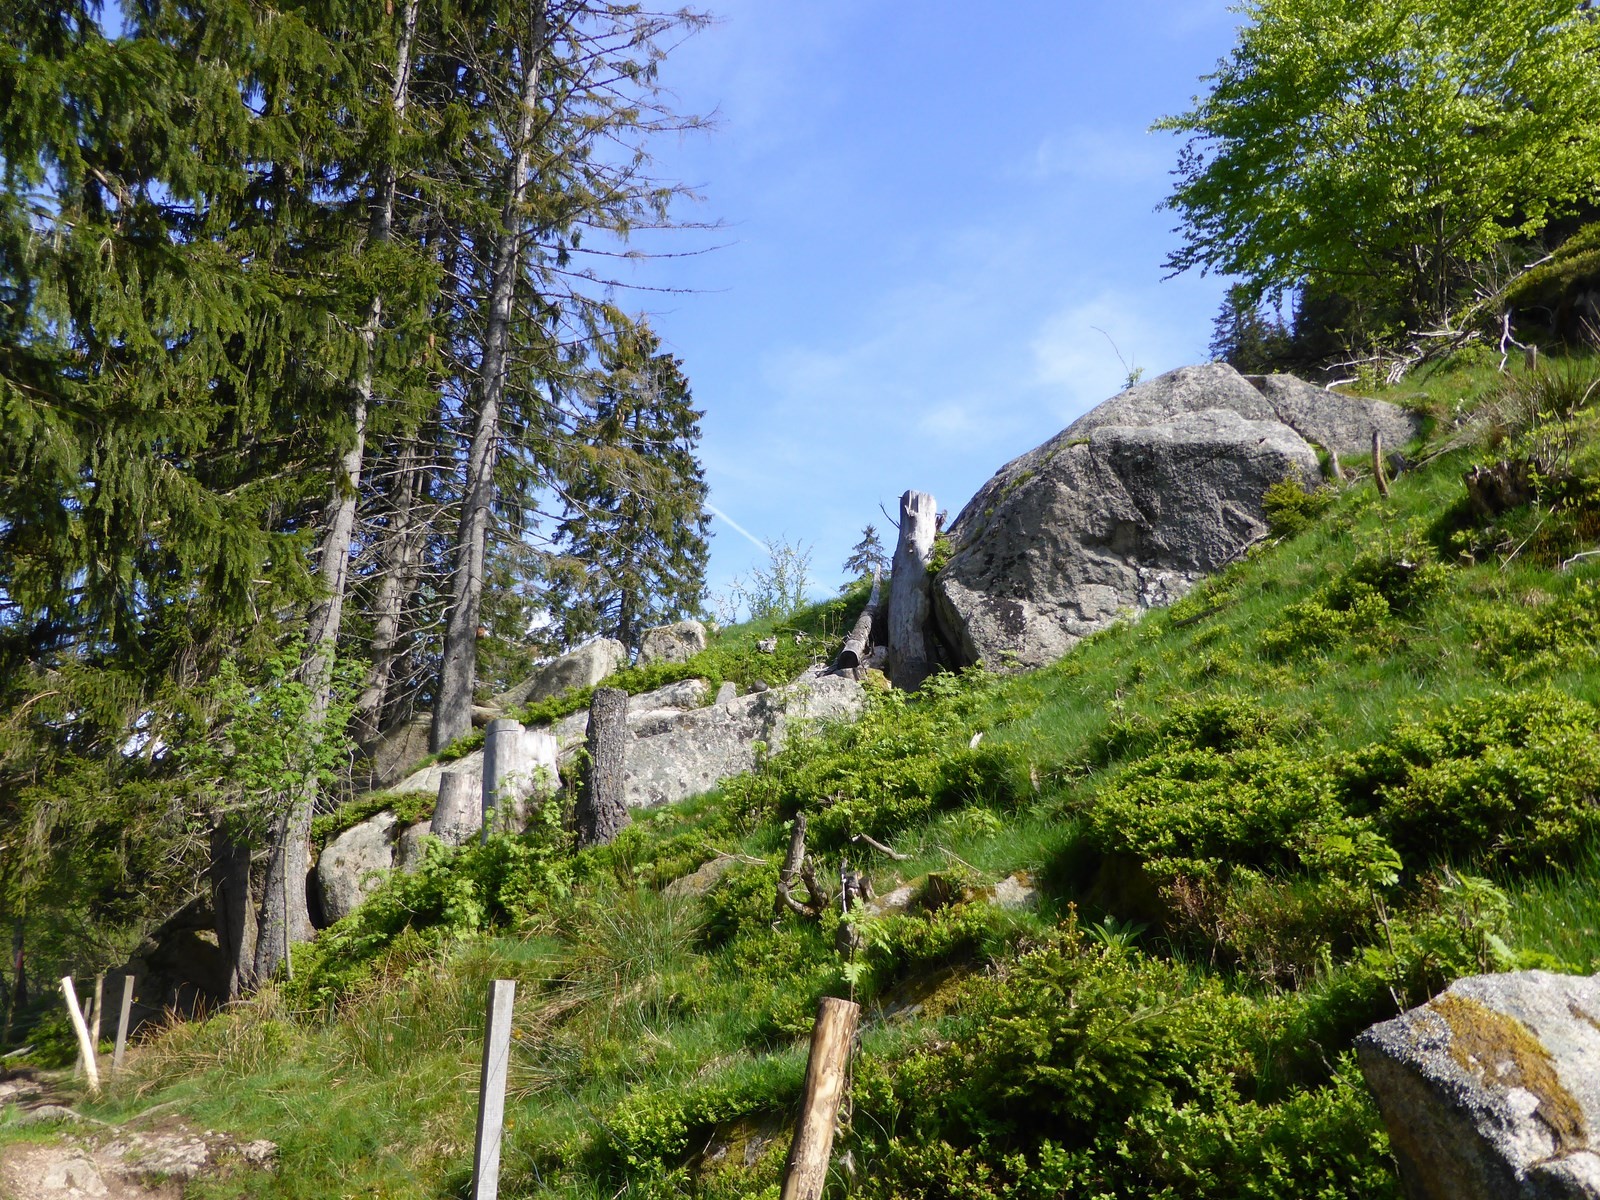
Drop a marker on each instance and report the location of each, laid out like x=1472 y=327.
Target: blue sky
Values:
x=931 y=211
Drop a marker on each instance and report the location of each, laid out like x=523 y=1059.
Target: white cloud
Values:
x=1100 y=155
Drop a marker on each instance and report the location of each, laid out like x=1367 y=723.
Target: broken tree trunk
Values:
x=1377 y=463
x=602 y=803
x=797 y=866
x=856 y=646
x=909 y=592
x=826 y=1074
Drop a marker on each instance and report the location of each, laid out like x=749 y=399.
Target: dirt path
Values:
x=149 y=1157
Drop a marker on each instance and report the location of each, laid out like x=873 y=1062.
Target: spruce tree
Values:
x=867 y=555
x=633 y=543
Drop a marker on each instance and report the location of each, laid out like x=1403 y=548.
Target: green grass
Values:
x=1359 y=763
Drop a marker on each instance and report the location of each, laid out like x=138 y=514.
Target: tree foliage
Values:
x=1383 y=148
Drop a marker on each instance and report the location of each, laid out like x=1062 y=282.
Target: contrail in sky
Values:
x=737 y=528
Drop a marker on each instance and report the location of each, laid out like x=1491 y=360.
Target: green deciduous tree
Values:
x=1381 y=148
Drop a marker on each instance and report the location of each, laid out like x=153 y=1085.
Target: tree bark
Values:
x=910 y=592
x=602 y=802
x=19 y=977
x=1377 y=464
x=284 y=918
x=827 y=1072
x=857 y=645
x=452 y=712
x=232 y=905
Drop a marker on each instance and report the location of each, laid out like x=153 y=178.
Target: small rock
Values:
x=896 y=901
x=727 y=693
x=1015 y=892
x=760 y=685
x=259 y=1153
x=46 y=1113
x=699 y=882
x=75 y=1176
x=768 y=645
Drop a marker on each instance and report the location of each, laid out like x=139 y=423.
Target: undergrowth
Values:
x=1354 y=766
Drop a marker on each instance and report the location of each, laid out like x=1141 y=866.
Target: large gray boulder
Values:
x=1341 y=424
x=1491 y=1090
x=354 y=864
x=675 y=643
x=1124 y=510
x=583 y=667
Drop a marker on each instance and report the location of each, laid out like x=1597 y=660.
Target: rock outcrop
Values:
x=1490 y=1090
x=674 y=756
x=1130 y=506
x=537 y=759
x=354 y=864
x=583 y=667
x=675 y=643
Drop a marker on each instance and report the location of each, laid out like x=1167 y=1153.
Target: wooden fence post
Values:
x=82 y=1031
x=492 y=1090
x=122 y=1024
x=92 y=1020
x=826 y=1071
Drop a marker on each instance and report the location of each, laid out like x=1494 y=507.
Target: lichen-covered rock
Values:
x=537 y=754
x=1108 y=519
x=673 y=756
x=354 y=864
x=675 y=643
x=1342 y=424
x=583 y=667
x=1132 y=504
x=1491 y=1090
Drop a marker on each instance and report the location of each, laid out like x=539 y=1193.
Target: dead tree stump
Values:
x=910 y=592
x=602 y=802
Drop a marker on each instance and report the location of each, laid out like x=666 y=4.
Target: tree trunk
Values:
x=602 y=802
x=231 y=902
x=452 y=712
x=909 y=592
x=19 y=978
x=284 y=918
x=402 y=552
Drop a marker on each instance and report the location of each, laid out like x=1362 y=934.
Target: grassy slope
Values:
x=1352 y=767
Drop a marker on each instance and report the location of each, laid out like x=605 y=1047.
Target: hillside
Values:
x=1359 y=763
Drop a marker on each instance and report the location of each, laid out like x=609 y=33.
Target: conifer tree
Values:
x=633 y=542
x=867 y=555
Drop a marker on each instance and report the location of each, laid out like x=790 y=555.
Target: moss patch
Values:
x=1503 y=1053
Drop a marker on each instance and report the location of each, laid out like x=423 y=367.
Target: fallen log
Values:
x=856 y=645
